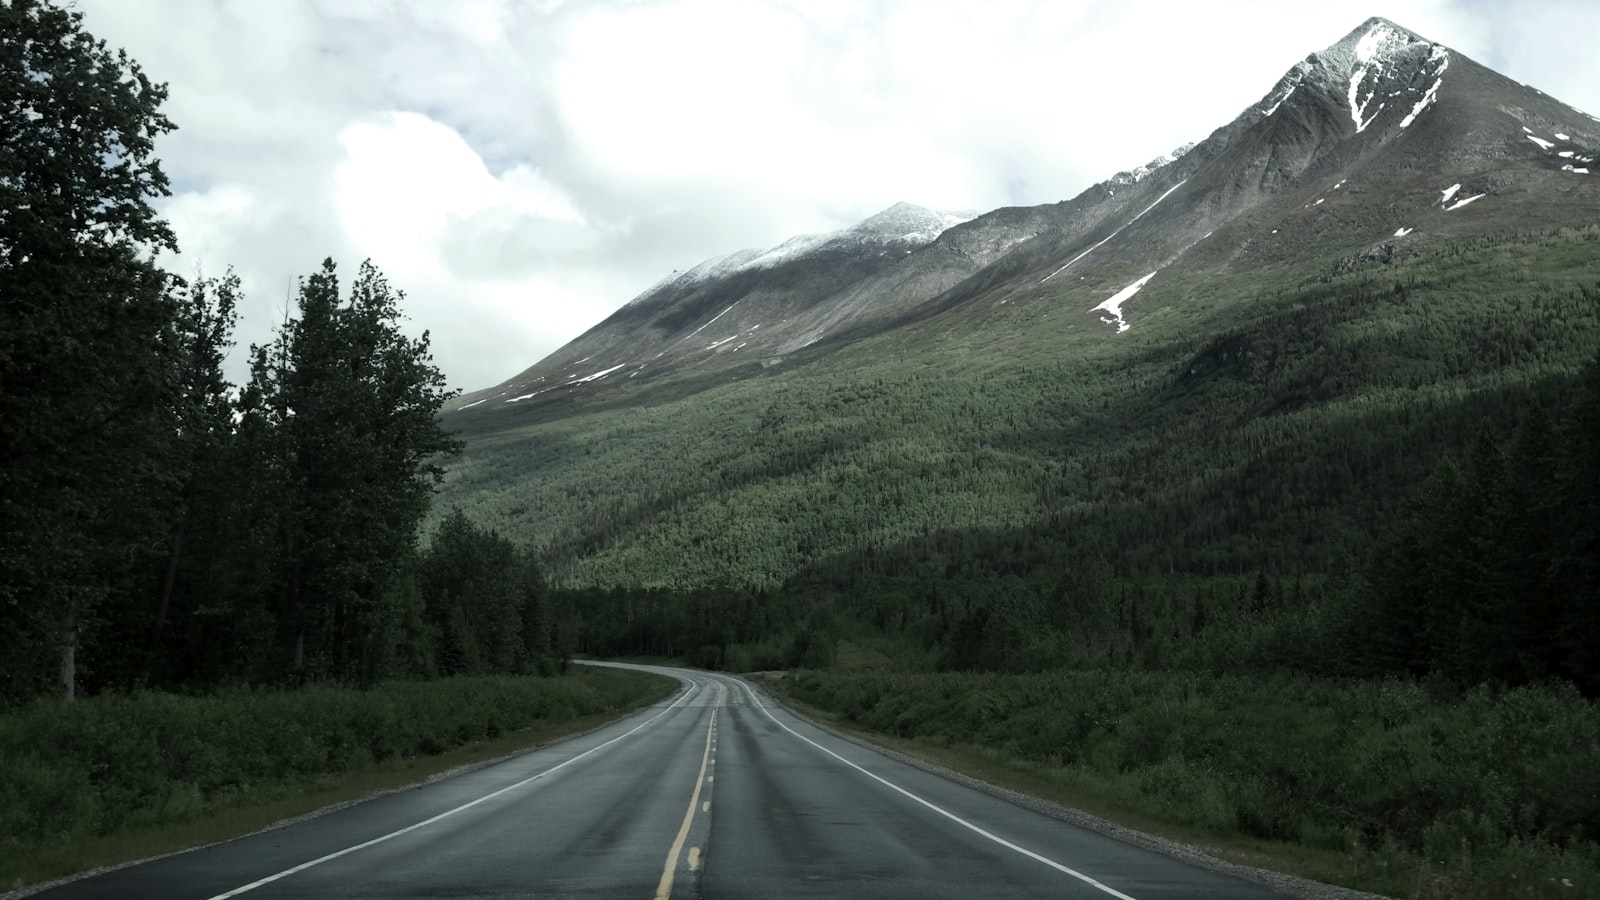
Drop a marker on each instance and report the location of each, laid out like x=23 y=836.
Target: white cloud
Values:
x=407 y=182
x=523 y=168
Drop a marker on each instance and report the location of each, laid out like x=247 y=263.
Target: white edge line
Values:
x=694 y=685
x=943 y=812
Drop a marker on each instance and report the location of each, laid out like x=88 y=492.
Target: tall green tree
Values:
x=471 y=580
x=344 y=407
x=204 y=415
x=85 y=335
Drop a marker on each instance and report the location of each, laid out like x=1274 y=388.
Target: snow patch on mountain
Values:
x=1115 y=233
x=1377 y=63
x=713 y=319
x=1448 y=193
x=794 y=247
x=1375 y=48
x=711 y=269
x=1442 y=57
x=1113 y=304
x=1136 y=175
x=903 y=224
x=909 y=223
x=1358 y=107
x=1380 y=37
x=1402 y=232
x=1463 y=202
x=1279 y=101
x=1544 y=144
x=598 y=375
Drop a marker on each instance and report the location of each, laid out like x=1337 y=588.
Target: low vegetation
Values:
x=117 y=765
x=1387 y=785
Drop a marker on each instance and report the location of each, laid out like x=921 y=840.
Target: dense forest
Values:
x=160 y=527
x=1357 y=481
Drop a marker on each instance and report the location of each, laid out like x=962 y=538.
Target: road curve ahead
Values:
x=715 y=793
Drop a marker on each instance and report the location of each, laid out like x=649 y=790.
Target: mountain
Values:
x=799 y=292
x=1093 y=361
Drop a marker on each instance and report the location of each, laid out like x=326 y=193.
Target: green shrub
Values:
x=1487 y=793
x=105 y=763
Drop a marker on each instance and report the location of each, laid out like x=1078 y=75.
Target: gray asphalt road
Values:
x=715 y=793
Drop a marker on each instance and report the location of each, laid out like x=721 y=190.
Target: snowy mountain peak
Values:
x=1432 y=145
x=1133 y=176
x=907 y=221
x=1378 y=45
x=1377 y=67
x=902 y=224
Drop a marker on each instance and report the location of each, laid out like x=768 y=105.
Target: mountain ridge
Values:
x=1006 y=374
x=1331 y=112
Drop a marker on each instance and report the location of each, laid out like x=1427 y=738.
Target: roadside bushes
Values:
x=125 y=760
x=1501 y=782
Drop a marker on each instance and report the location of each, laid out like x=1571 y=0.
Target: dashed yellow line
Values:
x=664 y=889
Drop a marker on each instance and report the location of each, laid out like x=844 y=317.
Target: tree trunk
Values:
x=165 y=601
x=69 y=652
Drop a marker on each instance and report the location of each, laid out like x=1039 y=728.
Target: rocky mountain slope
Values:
x=1381 y=141
x=1384 y=157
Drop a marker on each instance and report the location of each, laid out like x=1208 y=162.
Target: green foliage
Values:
x=151 y=531
x=1503 y=782
x=124 y=760
x=1268 y=420
x=485 y=603
x=85 y=336
x=1483 y=575
x=343 y=408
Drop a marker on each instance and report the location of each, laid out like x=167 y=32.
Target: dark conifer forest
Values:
x=161 y=527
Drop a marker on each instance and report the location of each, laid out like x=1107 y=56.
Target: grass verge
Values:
x=1403 y=799
x=1025 y=777
x=590 y=698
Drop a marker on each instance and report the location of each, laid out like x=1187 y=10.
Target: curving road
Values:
x=716 y=793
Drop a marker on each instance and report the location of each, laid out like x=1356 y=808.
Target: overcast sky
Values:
x=521 y=168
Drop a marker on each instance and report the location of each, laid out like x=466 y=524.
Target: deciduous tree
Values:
x=84 y=333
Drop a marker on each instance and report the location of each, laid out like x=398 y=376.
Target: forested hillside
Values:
x=1272 y=430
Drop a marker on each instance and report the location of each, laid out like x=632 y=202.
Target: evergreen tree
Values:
x=1533 y=502
x=204 y=416
x=1576 y=566
x=346 y=406
x=84 y=336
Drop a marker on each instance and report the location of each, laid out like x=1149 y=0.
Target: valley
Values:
x=1250 y=496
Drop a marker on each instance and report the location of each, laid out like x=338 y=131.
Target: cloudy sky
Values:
x=521 y=168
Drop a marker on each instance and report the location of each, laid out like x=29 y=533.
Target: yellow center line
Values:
x=664 y=889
